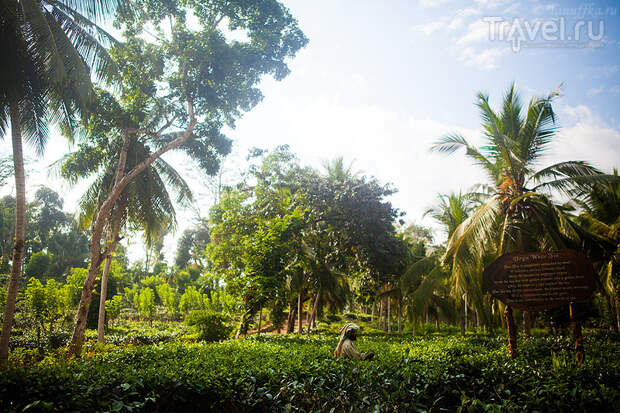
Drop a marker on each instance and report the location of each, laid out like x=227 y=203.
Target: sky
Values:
x=379 y=82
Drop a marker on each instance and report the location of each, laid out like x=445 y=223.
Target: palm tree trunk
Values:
x=314 y=311
x=112 y=241
x=389 y=316
x=372 y=316
x=399 y=317
x=300 y=310
x=292 y=312
x=512 y=332
x=20 y=233
x=466 y=312
x=462 y=317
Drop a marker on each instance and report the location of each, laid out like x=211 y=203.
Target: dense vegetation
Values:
x=433 y=372
x=286 y=247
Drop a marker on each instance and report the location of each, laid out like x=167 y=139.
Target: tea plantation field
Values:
x=299 y=374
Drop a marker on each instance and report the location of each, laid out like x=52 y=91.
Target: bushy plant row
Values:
x=293 y=373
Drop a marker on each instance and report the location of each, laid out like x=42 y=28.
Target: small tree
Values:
x=146 y=303
x=190 y=300
x=113 y=307
x=167 y=297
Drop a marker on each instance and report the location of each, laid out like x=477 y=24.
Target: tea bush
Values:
x=298 y=373
x=210 y=326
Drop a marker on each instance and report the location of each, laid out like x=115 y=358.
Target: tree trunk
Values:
x=292 y=312
x=617 y=300
x=242 y=324
x=308 y=315
x=20 y=231
x=384 y=314
x=462 y=317
x=466 y=313
x=399 y=316
x=122 y=179
x=260 y=319
x=512 y=332
x=300 y=310
x=413 y=327
x=389 y=316
x=112 y=242
x=611 y=305
x=314 y=311
x=526 y=324
x=372 y=316
x=577 y=335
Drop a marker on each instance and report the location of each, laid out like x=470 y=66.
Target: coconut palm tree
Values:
x=425 y=280
x=600 y=214
x=145 y=203
x=49 y=49
x=519 y=214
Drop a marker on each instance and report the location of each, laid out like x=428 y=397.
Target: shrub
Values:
x=210 y=326
x=333 y=318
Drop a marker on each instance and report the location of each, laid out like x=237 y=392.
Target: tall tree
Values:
x=145 y=203
x=601 y=215
x=208 y=81
x=48 y=48
x=519 y=214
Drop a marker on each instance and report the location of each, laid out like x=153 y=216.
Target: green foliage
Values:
x=293 y=373
x=39 y=265
x=167 y=297
x=113 y=307
x=210 y=326
x=146 y=302
x=74 y=285
x=191 y=300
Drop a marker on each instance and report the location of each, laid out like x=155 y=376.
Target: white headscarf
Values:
x=348 y=327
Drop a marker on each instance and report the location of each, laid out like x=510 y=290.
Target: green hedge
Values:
x=291 y=373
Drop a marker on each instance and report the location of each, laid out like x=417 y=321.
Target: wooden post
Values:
x=512 y=332
x=577 y=335
x=526 y=324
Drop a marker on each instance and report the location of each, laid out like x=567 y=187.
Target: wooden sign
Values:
x=540 y=280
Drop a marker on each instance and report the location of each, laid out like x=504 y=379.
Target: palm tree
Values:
x=424 y=280
x=145 y=203
x=519 y=214
x=49 y=48
x=601 y=215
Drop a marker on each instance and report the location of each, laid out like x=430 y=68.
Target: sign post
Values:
x=540 y=281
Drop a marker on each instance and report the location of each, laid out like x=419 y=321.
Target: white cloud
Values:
x=594 y=91
x=486 y=59
x=431 y=4
x=587 y=138
x=470 y=11
x=445 y=23
x=476 y=31
x=456 y=23
x=602 y=71
x=513 y=8
x=430 y=27
x=491 y=4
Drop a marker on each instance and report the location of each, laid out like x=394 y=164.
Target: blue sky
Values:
x=380 y=81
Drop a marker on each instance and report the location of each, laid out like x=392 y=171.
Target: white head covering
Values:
x=346 y=329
